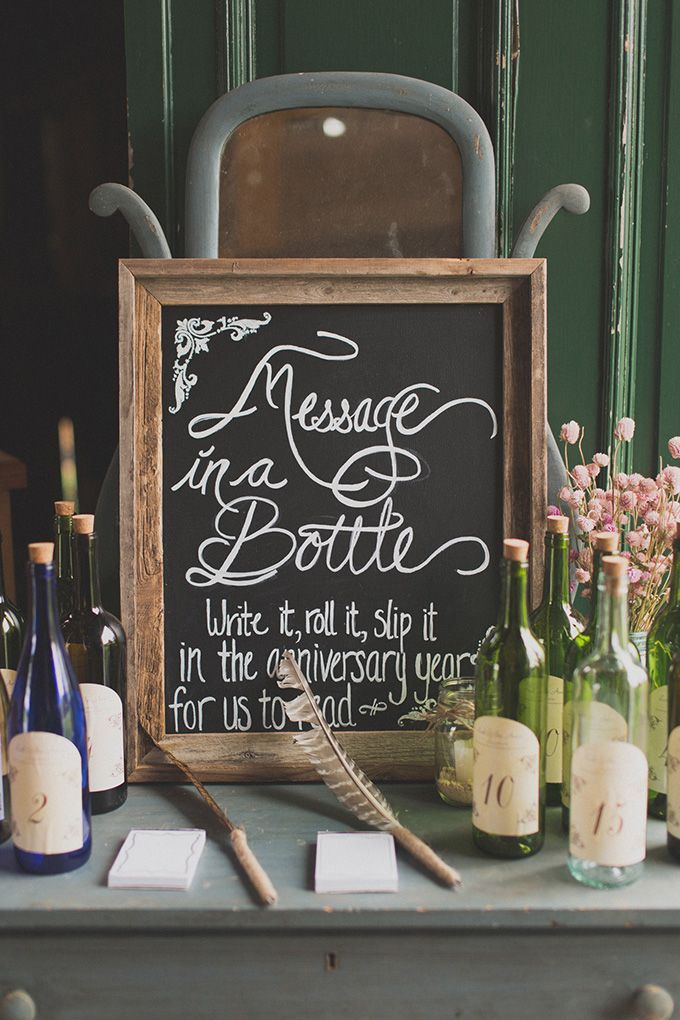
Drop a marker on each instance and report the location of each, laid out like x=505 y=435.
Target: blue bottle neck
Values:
x=44 y=617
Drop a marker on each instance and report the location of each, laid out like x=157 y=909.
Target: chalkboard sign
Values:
x=322 y=456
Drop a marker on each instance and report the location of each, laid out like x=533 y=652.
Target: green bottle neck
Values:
x=514 y=612
x=88 y=596
x=611 y=631
x=63 y=555
x=556 y=577
x=674 y=595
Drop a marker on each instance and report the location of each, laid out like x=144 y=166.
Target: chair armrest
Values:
x=107 y=199
x=572 y=197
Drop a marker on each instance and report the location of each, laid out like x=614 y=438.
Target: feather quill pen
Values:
x=255 y=873
x=343 y=776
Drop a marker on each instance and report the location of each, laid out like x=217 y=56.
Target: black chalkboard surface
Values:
x=322 y=457
x=331 y=484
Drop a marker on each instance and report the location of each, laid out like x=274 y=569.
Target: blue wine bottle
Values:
x=47 y=738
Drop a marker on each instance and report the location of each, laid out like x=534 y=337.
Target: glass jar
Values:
x=452 y=725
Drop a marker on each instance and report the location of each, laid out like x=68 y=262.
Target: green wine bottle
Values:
x=556 y=625
x=63 y=557
x=508 y=778
x=608 y=797
x=673 y=759
x=95 y=642
x=11 y=635
x=603 y=543
x=663 y=642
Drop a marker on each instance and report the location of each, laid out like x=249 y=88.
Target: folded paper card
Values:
x=351 y=862
x=157 y=859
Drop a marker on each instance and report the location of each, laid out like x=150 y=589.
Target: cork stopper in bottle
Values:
x=83 y=524
x=558 y=525
x=614 y=566
x=606 y=541
x=41 y=552
x=516 y=549
x=64 y=508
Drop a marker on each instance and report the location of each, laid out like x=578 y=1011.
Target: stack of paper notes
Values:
x=157 y=859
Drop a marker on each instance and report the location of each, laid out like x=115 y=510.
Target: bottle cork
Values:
x=64 y=508
x=516 y=549
x=606 y=541
x=41 y=552
x=614 y=566
x=83 y=524
x=558 y=525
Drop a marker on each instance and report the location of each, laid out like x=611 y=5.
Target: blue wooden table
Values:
x=519 y=939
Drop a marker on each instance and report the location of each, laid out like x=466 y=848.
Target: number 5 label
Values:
x=608 y=820
x=505 y=777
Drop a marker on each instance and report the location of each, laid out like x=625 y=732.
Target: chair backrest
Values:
x=440 y=128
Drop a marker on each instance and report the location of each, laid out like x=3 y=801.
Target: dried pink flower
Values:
x=593 y=469
x=570 y=432
x=581 y=476
x=620 y=481
x=575 y=499
x=585 y=524
x=628 y=500
x=669 y=479
x=634 y=575
x=601 y=459
x=554 y=511
x=582 y=576
x=674 y=447
x=635 y=539
x=648 y=485
x=625 y=429
x=635 y=480
x=564 y=494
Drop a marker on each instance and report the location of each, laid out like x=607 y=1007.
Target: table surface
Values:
x=282 y=822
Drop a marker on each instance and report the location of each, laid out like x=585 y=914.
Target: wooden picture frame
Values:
x=517 y=286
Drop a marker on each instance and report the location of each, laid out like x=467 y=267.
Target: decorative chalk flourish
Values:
x=192 y=337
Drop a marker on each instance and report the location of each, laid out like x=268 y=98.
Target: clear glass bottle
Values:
x=47 y=738
x=11 y=635
x=63 y=530
x=608 y=800
x=508 y=782
x=663 y=642
x=603 y=543
x=95 y=642
x=556 y=625
x=452 y=725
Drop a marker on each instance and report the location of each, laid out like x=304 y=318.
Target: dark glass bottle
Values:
x=11 y=635
x=556 y=625
x=95 y=641
x=508 y=783
x=608 y=798
x=63 y=529
x=663 y=642
x=47 y=738
x=673 y=759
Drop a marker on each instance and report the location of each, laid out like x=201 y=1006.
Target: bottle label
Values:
x=104 y=718
x=598 y=722
x=8 y=678
x=553 y=734
x=657 y=738
x=505 y=777
x=673 y=806
x=608 y=818
x=45 y=774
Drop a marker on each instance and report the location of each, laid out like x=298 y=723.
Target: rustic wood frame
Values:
x=146 y=286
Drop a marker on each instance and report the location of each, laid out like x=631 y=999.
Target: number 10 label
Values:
x=505 y=777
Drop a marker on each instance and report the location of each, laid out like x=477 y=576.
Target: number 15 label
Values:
x=608 y=820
